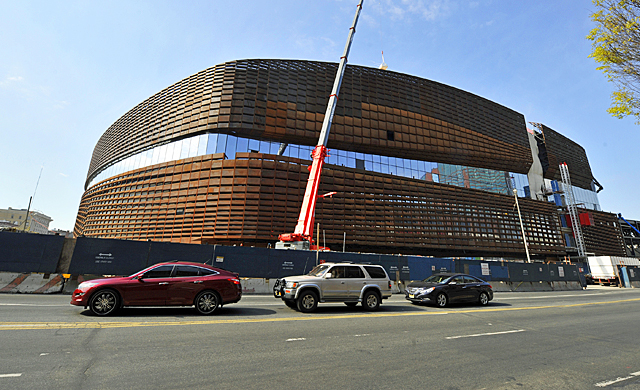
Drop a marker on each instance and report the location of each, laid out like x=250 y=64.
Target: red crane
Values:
x=302 y=237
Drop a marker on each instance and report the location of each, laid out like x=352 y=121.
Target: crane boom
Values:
x=304 y=229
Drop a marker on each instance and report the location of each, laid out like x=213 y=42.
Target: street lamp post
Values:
x=524 y=237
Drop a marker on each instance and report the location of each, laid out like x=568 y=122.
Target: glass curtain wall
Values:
x=457 y=175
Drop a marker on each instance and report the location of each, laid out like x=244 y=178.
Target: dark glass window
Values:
x=338 y=272
x=354 y=272
x=163 y=271
x=376 y=272
x=469 y=279
x=204 y=272
x=185 y=271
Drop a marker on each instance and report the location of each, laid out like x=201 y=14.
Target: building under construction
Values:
x=418 y=167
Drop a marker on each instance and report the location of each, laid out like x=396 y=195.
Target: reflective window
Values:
x=222 y=143
x=337 y=272
x=177 y=148
x=185 y=271
x=457 y=175
x=163 y=271
x=186 y=145
x=354 y=272
x=242 y=145
x=202 y=145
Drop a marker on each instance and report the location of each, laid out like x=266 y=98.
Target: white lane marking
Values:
x=10 y=375
x=362 y=335
x=298 y=339
x=44 y=354
x=619 y=379
x=484 y=334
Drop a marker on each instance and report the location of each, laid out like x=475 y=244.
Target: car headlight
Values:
x=422 y=291
x=291 y=285
x=86 y=285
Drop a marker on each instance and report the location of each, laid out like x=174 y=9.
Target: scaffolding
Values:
x=573 y=210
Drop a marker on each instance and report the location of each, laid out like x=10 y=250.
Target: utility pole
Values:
x=27 y=217
x=524 y=237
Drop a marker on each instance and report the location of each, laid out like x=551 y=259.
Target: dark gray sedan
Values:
x=448 y=288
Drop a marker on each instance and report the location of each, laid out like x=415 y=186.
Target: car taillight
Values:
x=389 y=284
x=234 y=280
x=490 y=287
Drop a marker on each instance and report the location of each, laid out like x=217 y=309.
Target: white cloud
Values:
x=15 y=78
x=60 y=104
x=405 y=9
x=64 y=175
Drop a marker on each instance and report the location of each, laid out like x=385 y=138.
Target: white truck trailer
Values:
x=604 y=269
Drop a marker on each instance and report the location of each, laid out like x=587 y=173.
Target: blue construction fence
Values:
x=21 y=252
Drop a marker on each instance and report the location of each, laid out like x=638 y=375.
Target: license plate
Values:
x=412 y=296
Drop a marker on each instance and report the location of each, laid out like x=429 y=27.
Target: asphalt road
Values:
x=547 y=340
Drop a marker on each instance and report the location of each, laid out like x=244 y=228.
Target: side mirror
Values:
x=328 y=275
x=140 y=277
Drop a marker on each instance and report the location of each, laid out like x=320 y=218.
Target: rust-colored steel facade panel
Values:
x=561 y=149
x=255 y=197
x=603 y=237
x=285 y=100
x=251 y=198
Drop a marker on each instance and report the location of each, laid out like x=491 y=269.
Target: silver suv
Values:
x=335 y=282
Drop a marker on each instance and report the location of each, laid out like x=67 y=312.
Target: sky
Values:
x=70 y=69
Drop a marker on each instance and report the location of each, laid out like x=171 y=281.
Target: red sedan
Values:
x=174 y=283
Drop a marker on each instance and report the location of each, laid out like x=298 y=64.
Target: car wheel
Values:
x=207 y=302
x=371 y=301
x=483 y=299
x=307 y=301
x=104 y=302
x=351 y=304
x=291 y=304
x=442 y=300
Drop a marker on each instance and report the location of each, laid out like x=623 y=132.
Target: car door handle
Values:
x=161 y=283
x=197 y=281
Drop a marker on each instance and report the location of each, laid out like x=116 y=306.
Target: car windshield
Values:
x=437 y=278
x=318 y=270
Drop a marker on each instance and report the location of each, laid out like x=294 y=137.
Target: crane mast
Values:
x=302 y=237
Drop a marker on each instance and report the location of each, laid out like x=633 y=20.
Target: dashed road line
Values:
x=617 y=380
x=484 y=334
x=298 y=339
x=10 y=375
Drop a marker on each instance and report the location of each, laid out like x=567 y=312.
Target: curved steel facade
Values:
x=250 y=198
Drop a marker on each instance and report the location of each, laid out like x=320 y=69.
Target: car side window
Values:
x=185 y=271
x=457 y=280
x=163 y=271
x=205 y=272
x=470 y=280
x=337 y=272
x=376 y=272
x=354 y=272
